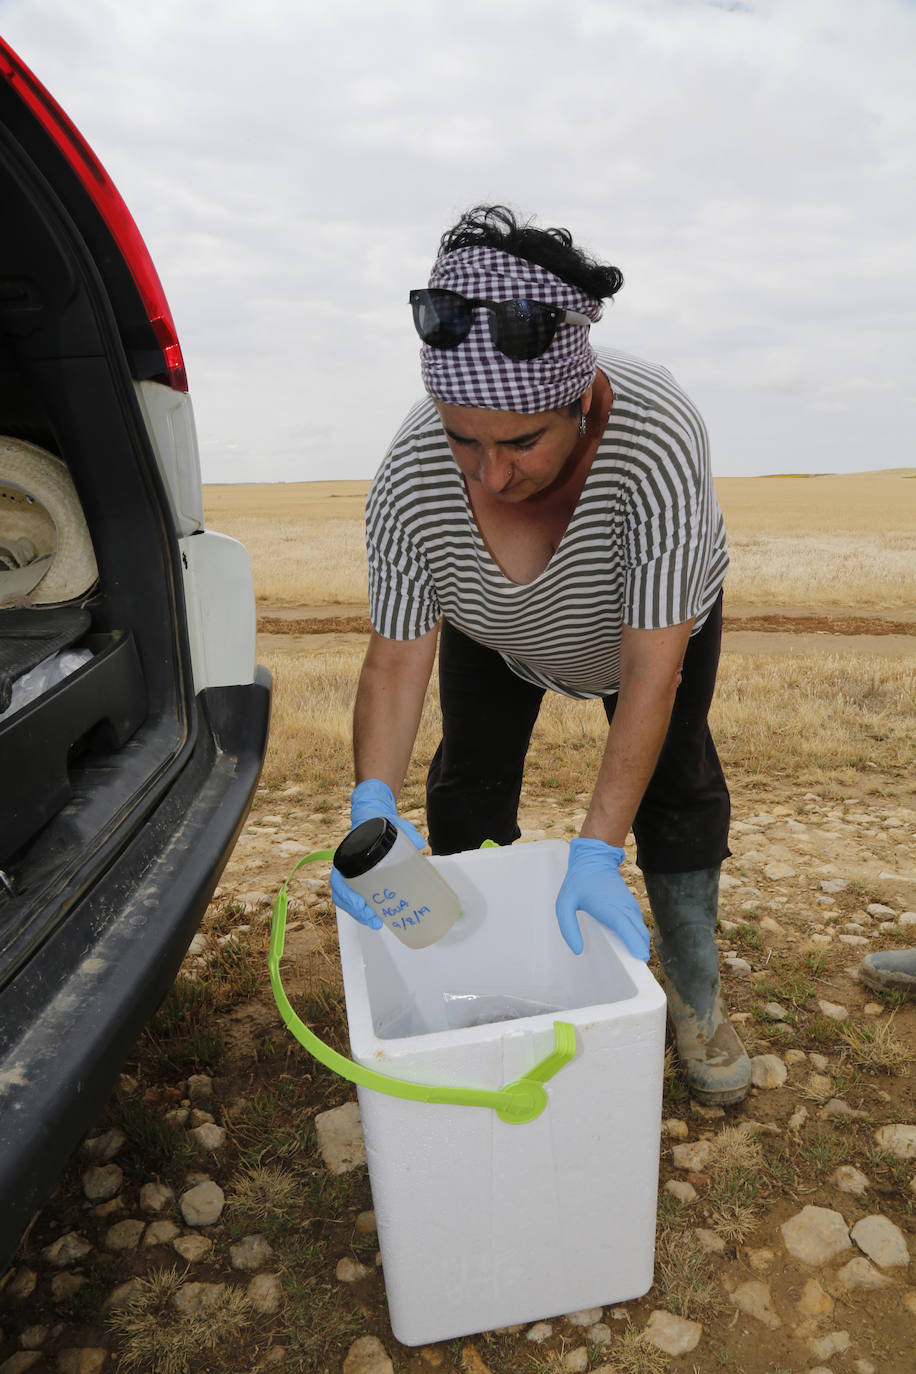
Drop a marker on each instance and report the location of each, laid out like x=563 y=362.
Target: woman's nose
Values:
x=495 y=472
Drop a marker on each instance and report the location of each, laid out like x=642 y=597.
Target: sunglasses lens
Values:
x=523 y=329
x=442 y=318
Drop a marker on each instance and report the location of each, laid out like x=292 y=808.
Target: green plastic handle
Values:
x=515 y=1104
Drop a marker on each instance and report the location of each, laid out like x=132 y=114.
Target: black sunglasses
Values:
x=520 y=329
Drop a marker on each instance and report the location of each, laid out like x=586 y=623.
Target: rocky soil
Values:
x=787 y=1226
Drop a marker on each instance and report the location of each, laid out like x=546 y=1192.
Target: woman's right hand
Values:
x=370 y=798
x=352 y=902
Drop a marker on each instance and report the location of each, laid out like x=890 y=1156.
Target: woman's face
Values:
x=513 y=457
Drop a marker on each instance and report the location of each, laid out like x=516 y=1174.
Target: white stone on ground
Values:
x=350 y=1270
x=125 y=1235
x=819 y=1086
x=575 y=1361
x=33 y=1336
x=83 y=1359
x=899 y=1139
x=67 y=1249
x=836 y=1109
x=203 y=1204
x=265 y=1293
x=586 y=1317
x=834 y=1343
x=834 y=1010
x=340 y=1138
x=881 y=1241
x=63 y=1286
x=22 y=1283
x=816 y=1235
x=541 y=1331
x=192 y=1298
x=768 y=1071
x=251 y=1254
x=775 y=1012
x=19 y=1363
x=707 y=1113
x=366 y=1224
x=676 y=1128
x=599 y=1334
x=200 y=1087
x=859 y=1273
x=709 y=1240
x=761 y=1259
x=122 y=1294
x=210 y=1136
x=849 y=1180
x=102 y=1181
x=367 y=1356
x=155 y=1197
x=814 y=1302
x=192 y=1248
x=679 y=1188
x=101 y=1148
x=671 y=1334
x=754 y=1299
x=160 y=1232
x=694 y=1157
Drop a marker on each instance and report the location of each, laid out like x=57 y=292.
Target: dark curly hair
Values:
x=496 y=226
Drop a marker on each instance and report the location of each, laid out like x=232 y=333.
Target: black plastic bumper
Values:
x=69 y=1020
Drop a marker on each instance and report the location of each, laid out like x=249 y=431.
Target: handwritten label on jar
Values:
x=391 y=905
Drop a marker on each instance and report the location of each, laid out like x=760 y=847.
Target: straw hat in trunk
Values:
x=46 y=556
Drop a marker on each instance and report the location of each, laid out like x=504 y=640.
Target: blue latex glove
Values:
x=593 y=884
x=369 y=798
x=375 y=798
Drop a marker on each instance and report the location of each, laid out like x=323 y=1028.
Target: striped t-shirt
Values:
x=645 y=546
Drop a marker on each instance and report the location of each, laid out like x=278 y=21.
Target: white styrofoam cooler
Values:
x=482 y=1224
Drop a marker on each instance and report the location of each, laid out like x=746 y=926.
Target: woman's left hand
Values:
x=593 y=884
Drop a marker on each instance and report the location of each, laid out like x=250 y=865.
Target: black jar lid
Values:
x=364 y=847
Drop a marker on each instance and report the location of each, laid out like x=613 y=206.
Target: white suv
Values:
x=133 y=721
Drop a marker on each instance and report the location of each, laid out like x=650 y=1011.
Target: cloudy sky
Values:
x=750 y=165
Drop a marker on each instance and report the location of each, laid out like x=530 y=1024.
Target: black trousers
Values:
x=488 y=714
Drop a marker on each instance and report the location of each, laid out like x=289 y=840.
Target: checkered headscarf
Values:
x=476 y=373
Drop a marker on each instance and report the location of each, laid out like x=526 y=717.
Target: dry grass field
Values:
x=818 y=547
x=796 y=542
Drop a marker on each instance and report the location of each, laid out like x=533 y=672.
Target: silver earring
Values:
x=582 y=424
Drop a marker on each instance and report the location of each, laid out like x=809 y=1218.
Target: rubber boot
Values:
x=714 y=1061
x=894 y=970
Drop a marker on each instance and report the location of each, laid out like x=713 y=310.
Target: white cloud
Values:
x=750 y=166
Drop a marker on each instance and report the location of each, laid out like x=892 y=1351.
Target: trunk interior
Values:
x=83 y=764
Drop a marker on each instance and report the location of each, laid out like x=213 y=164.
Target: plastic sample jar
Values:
x=399 y=883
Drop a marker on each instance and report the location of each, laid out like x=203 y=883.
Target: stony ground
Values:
x=217 y=1220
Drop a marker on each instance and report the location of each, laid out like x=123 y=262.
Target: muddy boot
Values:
x=894 y=970
x=714 y=1061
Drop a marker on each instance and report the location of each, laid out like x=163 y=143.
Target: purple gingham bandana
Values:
x=476 y=373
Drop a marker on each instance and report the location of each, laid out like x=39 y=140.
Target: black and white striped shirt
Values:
x=645 y=546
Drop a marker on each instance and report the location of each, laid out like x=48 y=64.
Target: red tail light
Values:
x=108 y=202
